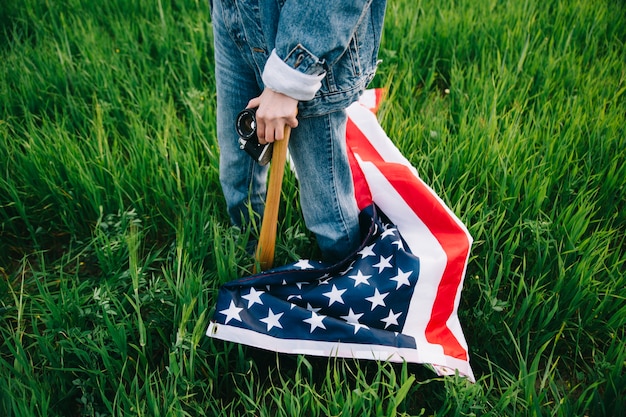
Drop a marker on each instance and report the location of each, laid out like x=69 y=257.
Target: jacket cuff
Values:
x=282 y=78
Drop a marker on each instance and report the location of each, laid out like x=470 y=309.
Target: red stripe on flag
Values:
x=361 y=189
x=354 y=139
x=429 y=209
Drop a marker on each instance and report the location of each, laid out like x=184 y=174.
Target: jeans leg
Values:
x=243 y=181
x=318 y=148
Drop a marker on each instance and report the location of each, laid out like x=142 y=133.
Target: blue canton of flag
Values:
x=363 y=300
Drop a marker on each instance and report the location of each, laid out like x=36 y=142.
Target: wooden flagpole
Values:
x=264 y=256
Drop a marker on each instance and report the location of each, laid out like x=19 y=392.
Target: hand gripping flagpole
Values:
x=264 y=256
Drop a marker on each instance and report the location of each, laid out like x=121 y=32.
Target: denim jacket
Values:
x=321 y=52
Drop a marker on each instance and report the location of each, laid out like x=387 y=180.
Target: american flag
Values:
x=396 y=299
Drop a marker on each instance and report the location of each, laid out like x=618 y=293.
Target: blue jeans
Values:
x=317 y=147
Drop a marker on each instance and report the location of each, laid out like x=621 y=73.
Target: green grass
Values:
x=114 y=237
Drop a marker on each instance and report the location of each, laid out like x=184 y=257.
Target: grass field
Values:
x=114 y=236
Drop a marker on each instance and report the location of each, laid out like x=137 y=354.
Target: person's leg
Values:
x=318 y=149
x=243 y=180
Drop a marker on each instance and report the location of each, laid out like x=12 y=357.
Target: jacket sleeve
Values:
x=310 y=36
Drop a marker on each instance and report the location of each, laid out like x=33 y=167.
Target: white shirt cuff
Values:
x=280 y=77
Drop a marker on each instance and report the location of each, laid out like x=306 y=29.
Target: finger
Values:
x=253 y=103
x=260 y=130
x=279 y=133
x=292 y=122
x=270 y=134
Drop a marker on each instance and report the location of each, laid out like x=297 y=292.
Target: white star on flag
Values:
x=334 y=295
x=384 y=263
x=367 y=251
x=315 y=321
x=253 y=297
x=311 y=308
x=388 y=232
x=353 y=319
x=348 y=269
x=304 y=264
x=232 y=312
x=359 y=278
x=291 y=297
x=402 y=278
x=377 y=299
x=324 y=280
x=392 y=318
x=272 y=320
